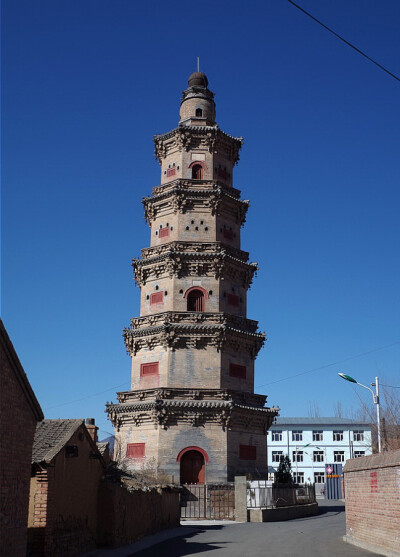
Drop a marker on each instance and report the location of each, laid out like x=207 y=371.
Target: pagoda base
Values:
x=193 y=436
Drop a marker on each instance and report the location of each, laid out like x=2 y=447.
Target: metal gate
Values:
x=334 y=475
x=208 y=501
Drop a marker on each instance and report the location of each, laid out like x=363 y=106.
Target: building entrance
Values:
x=192 y=468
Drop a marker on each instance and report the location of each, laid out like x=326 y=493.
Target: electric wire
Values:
x=86 y=397
x=344 y=40
x=329 y=365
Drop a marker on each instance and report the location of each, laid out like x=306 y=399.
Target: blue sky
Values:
x=85 y=85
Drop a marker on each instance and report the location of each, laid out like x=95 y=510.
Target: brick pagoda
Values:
x=192 y=408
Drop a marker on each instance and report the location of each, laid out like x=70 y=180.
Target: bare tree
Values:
x=313 y=409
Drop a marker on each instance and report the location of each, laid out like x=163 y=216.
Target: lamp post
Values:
x=375 y=396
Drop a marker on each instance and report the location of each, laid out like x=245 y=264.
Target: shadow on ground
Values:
x=180 y=546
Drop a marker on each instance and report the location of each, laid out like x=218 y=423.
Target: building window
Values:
x=197 y=172
x=135 y=450
x=297 y=436
x=338 y=435
x=195 y=300
x=298 y=477
x=357 y=454
x=247 y=452
x=276 y=456
x=319 y=477
x=236 y=370
x=338 y=456
x=233 y=300
x=156 y=298
x=358 y=435
x=277 y=436
x=199 y=112
x=171 y=172
x=297 y=456
x=149 y=369
x=317 y=435
x=318 y=456
x=71 y=451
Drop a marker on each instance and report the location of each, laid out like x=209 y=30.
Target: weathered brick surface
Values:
x=63 y=505
x=125 y=516
x=372 y=490
x=18 y=420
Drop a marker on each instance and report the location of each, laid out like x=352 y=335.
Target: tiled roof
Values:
x=51 y=436
x=318 y=421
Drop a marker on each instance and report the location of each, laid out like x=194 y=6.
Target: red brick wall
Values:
x=372 y=489
x=17 y=426
x=63 y=513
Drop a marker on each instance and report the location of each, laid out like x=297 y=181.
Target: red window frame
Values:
x=237 y=370
x=228 y=234
x=163 y=232
x=233 y=300
x=150 y=368
x=247 y=452
x=171 y=172
x=156 y=298
x=135 y=450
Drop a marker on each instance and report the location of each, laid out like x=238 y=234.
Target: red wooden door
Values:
x=195 y=301
x=192 y=468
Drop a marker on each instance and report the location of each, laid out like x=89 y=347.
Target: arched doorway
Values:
x=192 y=467
x=197 y=172
x=195 y=300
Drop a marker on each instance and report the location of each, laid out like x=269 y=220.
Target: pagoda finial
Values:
x=198 y=64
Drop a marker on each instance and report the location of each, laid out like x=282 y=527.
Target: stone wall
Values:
x=372 y=491
x=126 y=516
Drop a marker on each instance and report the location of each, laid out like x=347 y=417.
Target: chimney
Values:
x=92 y=428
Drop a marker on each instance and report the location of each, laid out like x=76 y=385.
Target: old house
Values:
x=192 y=408
x=66 y=471
x=19 y=413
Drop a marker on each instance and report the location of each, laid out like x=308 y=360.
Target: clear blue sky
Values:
x=86 y=84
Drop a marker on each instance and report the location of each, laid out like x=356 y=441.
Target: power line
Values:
x=86 y=397
x=330 y=365
x=391 y=386
x=344 y=40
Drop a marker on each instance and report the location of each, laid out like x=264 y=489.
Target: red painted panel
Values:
x=163 y=232
x=156 y=298
x=233 y=300
x=171 y=172
x=236 y=370
x=135 y=450
x=228 y=234
x=247 y=452
x=222 y=174
x=149 y=369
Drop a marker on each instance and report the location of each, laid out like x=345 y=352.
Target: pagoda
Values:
x=192 y=410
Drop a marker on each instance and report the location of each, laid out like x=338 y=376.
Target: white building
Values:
x=313 y=443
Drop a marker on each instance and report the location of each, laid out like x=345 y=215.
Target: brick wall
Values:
x=17 y=425
x=372 y=490
x=63 y=505
x=126 y=516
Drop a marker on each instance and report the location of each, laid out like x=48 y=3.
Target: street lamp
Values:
x=375 y=396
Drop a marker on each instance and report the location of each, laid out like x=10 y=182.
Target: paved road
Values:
x=319 y=536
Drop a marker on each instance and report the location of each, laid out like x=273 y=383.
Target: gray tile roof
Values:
x=318 y=421
x=51 y=436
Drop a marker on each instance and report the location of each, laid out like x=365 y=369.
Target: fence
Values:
x=213 y=501
x=261 y=494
